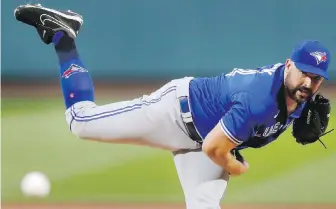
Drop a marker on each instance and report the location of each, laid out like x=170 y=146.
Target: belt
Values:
x=187 y=119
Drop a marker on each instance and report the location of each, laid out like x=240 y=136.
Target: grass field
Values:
x=35 y=137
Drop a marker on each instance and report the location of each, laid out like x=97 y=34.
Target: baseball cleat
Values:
x=48 y=21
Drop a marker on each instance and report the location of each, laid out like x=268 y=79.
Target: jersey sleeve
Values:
x=239 y=121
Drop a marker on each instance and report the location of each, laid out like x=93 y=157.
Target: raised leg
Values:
x=152 y=120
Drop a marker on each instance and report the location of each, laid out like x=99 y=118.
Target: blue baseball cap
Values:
x=311 y=56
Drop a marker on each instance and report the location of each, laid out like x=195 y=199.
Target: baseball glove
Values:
x=313 y=122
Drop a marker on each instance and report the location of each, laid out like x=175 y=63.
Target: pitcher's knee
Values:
x=77 y=128
x=77 y=118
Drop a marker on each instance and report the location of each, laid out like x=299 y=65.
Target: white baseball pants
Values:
x=155 y=120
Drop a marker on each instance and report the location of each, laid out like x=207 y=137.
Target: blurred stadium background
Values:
x=131 y=47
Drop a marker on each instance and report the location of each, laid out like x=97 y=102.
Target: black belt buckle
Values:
x=193 y=134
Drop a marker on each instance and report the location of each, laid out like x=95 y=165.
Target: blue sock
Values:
x=76 y=81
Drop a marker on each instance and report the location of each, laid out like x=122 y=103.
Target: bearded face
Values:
x=301 y=86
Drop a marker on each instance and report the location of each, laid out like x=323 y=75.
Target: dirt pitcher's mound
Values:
x=158 y=206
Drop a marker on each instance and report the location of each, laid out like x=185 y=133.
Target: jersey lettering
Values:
x=272 y=130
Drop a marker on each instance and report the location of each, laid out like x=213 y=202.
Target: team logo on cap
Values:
x=319 y=56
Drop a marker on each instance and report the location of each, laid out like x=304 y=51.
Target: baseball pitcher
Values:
x=204 y=122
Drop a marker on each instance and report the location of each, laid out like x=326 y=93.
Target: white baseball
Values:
x=35 y=184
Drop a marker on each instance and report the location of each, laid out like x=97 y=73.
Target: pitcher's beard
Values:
x=299 y=94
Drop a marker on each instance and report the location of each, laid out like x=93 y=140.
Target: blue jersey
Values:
x=249 y=104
